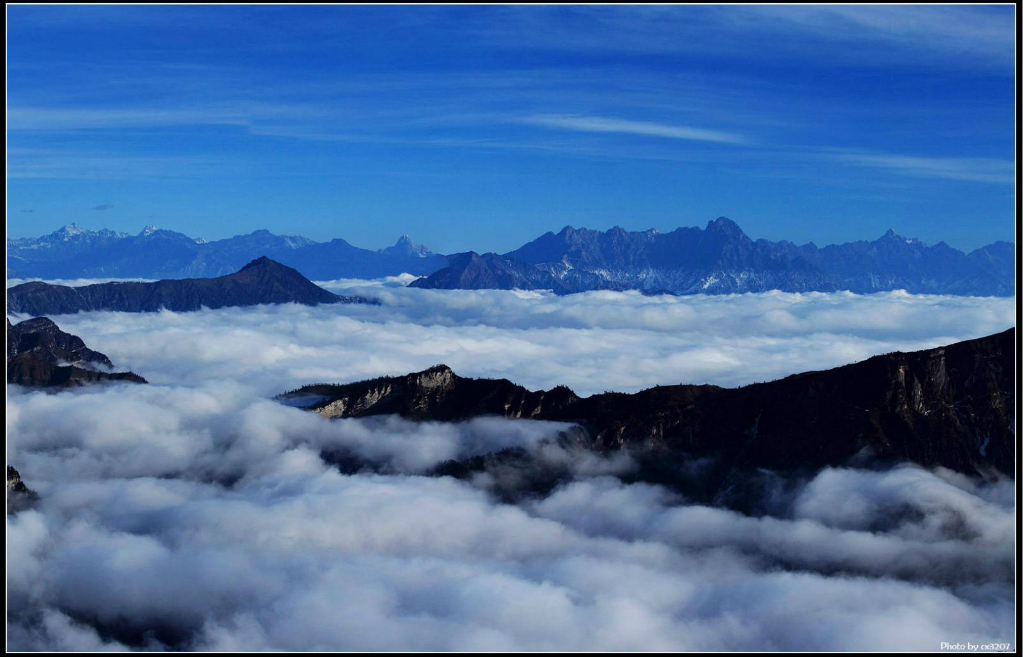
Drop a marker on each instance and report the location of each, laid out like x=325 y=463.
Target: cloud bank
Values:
x=591 y=342
x=197 y=513
x=199 y=518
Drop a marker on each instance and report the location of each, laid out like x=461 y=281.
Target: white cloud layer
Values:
x=197 y=513
x=591 y=342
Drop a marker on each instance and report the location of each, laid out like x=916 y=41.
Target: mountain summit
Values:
x=407 y=248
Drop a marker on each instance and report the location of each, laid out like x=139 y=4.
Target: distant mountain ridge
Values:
x=717 y=259
x=722 y=259
x=74 y=252
x=261 y=281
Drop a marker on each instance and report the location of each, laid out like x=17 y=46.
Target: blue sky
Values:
x=483 y=127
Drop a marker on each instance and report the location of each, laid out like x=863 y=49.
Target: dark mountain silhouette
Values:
x=950 y=406
x=40 y=354
x=73 y=252
x=721 y=259
x=260 y=281
x=472 y=271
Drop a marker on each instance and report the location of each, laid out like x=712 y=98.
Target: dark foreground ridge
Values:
x=949 y=406
x=259 y=282
x=40 y=354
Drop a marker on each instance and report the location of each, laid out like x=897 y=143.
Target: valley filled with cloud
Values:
x=198 y=513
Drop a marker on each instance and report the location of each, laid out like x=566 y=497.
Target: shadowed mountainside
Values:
x=40 y=354
x=261 y=281
x=949 y=406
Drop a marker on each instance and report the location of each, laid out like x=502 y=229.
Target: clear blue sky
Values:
x=483 y=127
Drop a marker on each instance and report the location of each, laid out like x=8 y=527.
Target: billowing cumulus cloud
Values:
x=197 y=513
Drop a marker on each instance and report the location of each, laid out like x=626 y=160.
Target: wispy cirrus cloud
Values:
x=833 y=36
x=75 y=164
x=968 y=34
x=970 y=169
x=630 y=127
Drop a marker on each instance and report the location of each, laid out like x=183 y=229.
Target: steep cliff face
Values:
x=261 y=281
x=40 y=354
x=950 y=406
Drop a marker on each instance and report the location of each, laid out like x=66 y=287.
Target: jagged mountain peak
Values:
x=725 y=225
x=72 y=234
x=268 y=267
x=407 y=248
x=261 y=262
x=69 y=230
x=65 y=233
x=892 y=237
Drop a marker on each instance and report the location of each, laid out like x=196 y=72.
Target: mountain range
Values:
x=39 y=354
x=73 y=252
x=722 y=259
x=717 y=259
x=261 y=281
x=951 y=407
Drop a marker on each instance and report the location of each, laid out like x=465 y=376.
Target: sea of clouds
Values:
x=198 y=513
x=591 y=342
